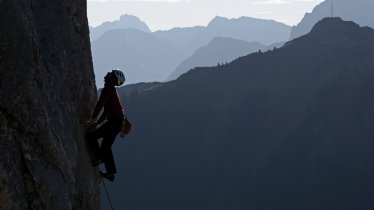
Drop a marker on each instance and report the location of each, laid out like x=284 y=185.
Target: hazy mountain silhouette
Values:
x=179 y=44
x=142 y=56
x=181 y=36
x=244 y=28
x=359 y=11
x=219 y=50
x=285 y=129
x=138 y=88
x=125 y=21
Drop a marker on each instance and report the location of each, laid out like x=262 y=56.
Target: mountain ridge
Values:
x=284 y=129
x=218 y=50
x=142 y=56
x=358 y=11
x=125 y=21
x=185 y=42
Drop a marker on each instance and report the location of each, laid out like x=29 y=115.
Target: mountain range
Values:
x=142 y=56
x=125 y=21
x=188 y=40
x=244 y=28
x=359 y=11
x=285 y=129
x=181 y=36
x=217 y=51
x=165 y=50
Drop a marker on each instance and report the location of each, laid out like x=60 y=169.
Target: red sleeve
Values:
x=100 y=104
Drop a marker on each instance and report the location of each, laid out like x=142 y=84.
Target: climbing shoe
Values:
x=107 y=176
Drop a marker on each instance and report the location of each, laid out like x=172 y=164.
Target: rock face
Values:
x=46 y=87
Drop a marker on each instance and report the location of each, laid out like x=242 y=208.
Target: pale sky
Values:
x=167 y=14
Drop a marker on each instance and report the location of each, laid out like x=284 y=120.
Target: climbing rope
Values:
x=107 y=194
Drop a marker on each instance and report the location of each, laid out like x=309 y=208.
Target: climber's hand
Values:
x=90 y=124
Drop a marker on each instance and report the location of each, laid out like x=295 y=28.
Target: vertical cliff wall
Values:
x=46 y=87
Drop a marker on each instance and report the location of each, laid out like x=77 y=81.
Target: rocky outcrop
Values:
x=46 y=87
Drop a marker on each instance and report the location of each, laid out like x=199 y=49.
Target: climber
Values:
x=113 y=113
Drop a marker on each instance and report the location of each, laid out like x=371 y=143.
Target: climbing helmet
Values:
x=120 y=76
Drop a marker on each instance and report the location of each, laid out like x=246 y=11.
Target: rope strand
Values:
x=107 y=194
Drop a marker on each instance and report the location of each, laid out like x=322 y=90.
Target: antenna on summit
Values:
x=332 y=8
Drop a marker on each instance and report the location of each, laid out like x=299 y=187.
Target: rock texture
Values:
x=46 y=87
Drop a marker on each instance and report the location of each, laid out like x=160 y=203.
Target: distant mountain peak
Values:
x=127 y=16
x=131 y=19
x=125 y=21
x=219 y=18
x=219 y=21
x=359 y=11
x=331 y=24
x=334 y=32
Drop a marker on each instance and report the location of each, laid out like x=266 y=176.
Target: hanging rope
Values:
x=107 y=194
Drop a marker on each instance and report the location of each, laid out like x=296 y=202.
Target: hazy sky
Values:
x=166 y=14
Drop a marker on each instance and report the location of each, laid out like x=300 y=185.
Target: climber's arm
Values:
x=101 y=118
x=100 y=104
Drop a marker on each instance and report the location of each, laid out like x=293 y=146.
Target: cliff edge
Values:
x=46 y=87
